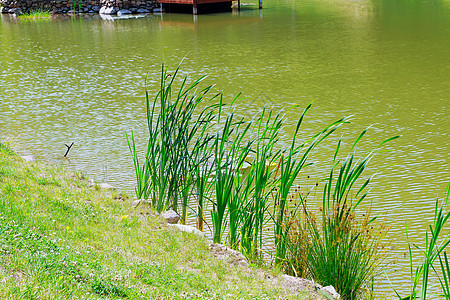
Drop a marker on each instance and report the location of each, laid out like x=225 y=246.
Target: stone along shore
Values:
x=81 y=6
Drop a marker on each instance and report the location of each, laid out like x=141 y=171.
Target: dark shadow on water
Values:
x=206 y=8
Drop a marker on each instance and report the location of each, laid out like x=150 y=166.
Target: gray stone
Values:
x=28 y=158
x=135 y=203
x=96 y=8
x=222 y=252
x=157 y=10
x=171 y=216
x=123 y=12
x=110 y=11
x=4 y=10
x=143 y=11
x=106 y=186
x=188 y=229
x=295 y=284
x=133 y=9
x=332 y=291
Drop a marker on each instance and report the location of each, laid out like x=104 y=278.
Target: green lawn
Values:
x=61 y=239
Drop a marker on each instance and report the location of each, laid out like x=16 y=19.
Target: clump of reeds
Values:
x=337 y=247
x=175 y=152
x=201 y=156
x=37 y=14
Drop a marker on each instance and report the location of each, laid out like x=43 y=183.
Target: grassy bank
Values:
x=62 y=239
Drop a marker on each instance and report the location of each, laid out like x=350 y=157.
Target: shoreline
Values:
x=46 y=184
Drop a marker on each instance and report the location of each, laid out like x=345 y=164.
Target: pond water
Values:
x=385 y=62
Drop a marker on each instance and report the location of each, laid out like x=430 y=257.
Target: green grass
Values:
x=38 y=14
x=61 y=239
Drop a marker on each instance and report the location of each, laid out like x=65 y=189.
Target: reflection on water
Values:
x=384 y=62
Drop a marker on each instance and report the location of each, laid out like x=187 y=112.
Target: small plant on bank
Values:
x=37 y=14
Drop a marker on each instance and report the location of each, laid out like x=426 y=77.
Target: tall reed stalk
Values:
x=230 y=153
x=259 y=183
x=445 y=269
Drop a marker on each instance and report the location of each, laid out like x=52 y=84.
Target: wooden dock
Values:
x=195 y=3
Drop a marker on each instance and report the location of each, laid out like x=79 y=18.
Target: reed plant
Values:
x=75 y=5
x=177 y=129
x=202 y=170
x=290 y=164
x=260 y=182
x=336 y=248
x=298 y=244
x=230 y=152
x=345 y=249
x=445 y=269
x=436 y=242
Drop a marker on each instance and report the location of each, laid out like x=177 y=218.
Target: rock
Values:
x=133 y=9
x=11 y=11
x=4 y=10
x=295 y=284
x=95 y=8
x=143 y=11
x=222 y=252
x=157 y=10
x=110 y=11
x=331 y=290
x=188 y=229
x=28 y=158
x=106 y=186
x=171 y=216
x=123 y=12
x=135 y=203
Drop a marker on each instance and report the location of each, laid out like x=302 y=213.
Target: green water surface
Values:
x=385 y=62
